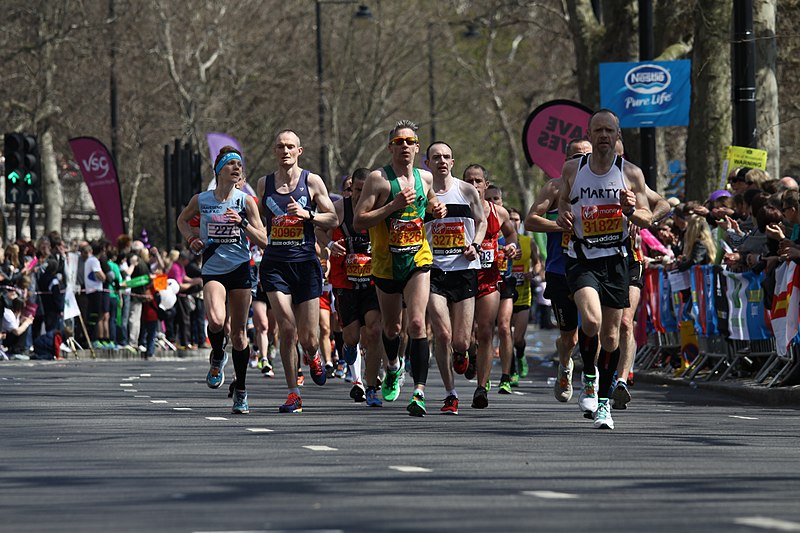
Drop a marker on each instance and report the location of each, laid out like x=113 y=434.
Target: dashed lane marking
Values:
x=743 y=417
x=158 y=401
x=259 y=430
x=126 y=384
x=181 y=408
x=765 y=522
x=318 y=448
x=550 y=495
x=409 y=469
x=216 y=418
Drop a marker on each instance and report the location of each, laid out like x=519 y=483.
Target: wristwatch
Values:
x=243 y=223
x=476 y=246
x=311 y=214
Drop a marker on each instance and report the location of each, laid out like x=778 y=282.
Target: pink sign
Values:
x=100 y=174
x=548 y=130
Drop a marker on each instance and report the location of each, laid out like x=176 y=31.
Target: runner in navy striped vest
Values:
x=228 y=222
x=293 y=201
x=600 y=194
x=455 y=242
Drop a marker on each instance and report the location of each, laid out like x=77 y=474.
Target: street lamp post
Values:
x=744 y=72
x=362 y=13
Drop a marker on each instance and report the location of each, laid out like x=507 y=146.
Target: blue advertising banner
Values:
x=648 y=94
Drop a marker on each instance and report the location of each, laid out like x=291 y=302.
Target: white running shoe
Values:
x=562 y=388
x=602 y=417
x=587 y=400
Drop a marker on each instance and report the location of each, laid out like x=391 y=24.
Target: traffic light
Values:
x=23 y=169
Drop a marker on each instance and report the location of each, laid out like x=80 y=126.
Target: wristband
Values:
x=243 y=223
x=330 y=245
x=632 y=211
x=476 y=246
x=310 y=214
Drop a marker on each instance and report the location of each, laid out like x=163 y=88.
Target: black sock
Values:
x=216 y=339
x=607 y=364
x=338 y=344
x=588 y=347
x=240 y=360
x=519 y=349
x=505 y=377
x=513 y=369
x=420 y=359
x=391 y=346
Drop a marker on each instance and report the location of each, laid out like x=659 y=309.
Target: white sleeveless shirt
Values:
x=599 y=225
x=450 y=235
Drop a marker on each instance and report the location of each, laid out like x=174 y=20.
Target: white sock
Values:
x=452 y=393
x=355 y=368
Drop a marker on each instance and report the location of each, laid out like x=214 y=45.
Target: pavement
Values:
x=541 y=348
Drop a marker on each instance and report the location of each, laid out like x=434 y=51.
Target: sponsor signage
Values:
x=548 y=130
x=649 y=94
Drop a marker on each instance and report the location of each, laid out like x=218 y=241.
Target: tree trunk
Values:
x=767 y=111
x=51 y=187
x=710 y=128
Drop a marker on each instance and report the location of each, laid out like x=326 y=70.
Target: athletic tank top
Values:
x=600 y=227
x=557 y=243
x=226 y=245
x=488 y=254
x=289 y=238
x=399 y=245
x=449 y=236
x=354 y=269
x=520 y=267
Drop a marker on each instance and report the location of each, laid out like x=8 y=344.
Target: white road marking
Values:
x=316 y=448
x=181 y=368
x=126 y=384
x=550 y=495
x=158 y=401
x=142 y=396
x=130 y=378
x=408 y=469
x=518 y=393
x=144 y=375
x=765 y=522
x=181 y=408
x=216 y=418
x=743 y=417
x=259 y=430
x=129 y=390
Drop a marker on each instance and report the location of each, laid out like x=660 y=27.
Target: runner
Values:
x=355 y=296
x=487 y=301
x=523 y=269
x=228 y=222
x=542 y=217
x=600 y=194
x=392 y=206
x=293 y=201
x=455 y=242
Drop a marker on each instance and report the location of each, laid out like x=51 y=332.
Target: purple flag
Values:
x=100 y=174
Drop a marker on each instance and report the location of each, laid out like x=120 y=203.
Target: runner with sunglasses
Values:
x=392 y=207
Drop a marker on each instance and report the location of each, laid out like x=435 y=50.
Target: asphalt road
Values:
x=96 y=446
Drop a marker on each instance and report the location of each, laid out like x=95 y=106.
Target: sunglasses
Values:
x=399 y=141
x=493 y=198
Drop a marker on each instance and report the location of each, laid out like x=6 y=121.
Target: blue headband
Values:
x=224 y=161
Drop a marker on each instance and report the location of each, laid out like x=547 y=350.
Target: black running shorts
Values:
x=557 y=291
x=239 y=278
x=354 y=304
x=606 y=275
x=456 y=285
x=301 y=279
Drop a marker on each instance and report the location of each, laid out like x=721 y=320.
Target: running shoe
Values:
x=372 y=398
x=350 y=354
x=390 y=388
x=240 y=406
x=253 y=362
x=460 y=363
x=515 y=380
x=602 y=417
x=630 y=378
x=315 y=366
x=216 y=373
x=488 y=385
x=621 y=395
x=471 y=368
x=450 y=406
x=562 y=389
x=272 y=351
x=341 y=369
x=588 y=397
x=294 y=404
x=266 y=368
x=357 y=393
x=480 y=400
x=330 y=370
x=300 y=379
x=416 y=407
x=522 y=363
x=504 y=388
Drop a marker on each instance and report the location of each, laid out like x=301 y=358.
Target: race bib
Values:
x=358 y=267
x=447 y=238
x=223 y=232
x=565 y=237
x=518 y=271
x=488 y=249
x=286 y=230
x=602 y=223
x=406 y=236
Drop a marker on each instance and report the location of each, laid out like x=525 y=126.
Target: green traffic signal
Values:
x=13 y=177
x=28 y=179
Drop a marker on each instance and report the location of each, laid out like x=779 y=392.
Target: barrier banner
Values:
x=746 y=318
x=710 y=302
x=100 y=174
x=667 y=310
x=786 y=306
x=652 y=298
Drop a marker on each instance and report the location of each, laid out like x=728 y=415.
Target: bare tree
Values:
x=767 y=110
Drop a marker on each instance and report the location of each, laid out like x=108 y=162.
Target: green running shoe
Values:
x=390 y=388
x=416 y=407
x=514 y=379
x=488 y=385
x=504 y=388
x=522 y=364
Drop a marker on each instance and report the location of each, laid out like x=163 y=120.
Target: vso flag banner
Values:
x=647 y=95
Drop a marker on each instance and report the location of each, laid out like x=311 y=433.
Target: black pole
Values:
x=113 y=82
x=32 y=220
x=323 y=144
x=18 y=220
x=744 y=75
x=646 y=53
x=431 y=84
x=168 y=194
